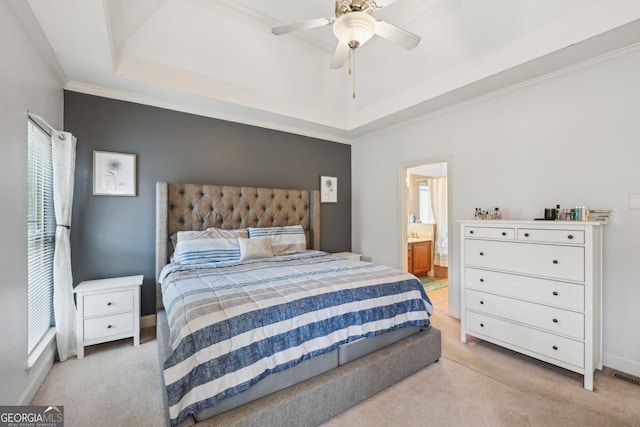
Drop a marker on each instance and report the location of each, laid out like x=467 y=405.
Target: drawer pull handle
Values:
x=555 y=293
x=481 y=280
x=482 y=325
x=481 y=253
x=482 y=302
x=555 y=320
x=109 y=303
x=109 y=326
x=470 y=231
x=555 y=261
x=526 y=234
x=555 y=347
x=504 y=234
x=570 y=237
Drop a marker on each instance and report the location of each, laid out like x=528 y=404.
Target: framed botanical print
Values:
x=114 y=174
x=328 y=189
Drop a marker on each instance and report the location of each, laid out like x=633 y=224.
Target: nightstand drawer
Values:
x=349 y=255
x=101 y=327
x=107 y=303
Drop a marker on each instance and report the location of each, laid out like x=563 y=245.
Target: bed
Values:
x=302 y=382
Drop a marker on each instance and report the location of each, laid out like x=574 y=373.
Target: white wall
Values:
x=25 y=84
x=572 y=139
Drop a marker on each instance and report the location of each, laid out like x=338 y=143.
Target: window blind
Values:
x=426 y=213
x=41 y=230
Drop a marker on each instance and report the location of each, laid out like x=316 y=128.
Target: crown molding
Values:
x=31 y=24
x=216 y=113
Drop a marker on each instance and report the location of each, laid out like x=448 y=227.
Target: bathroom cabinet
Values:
x=419 y=257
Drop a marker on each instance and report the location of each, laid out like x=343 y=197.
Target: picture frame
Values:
x=114 y=174
x=328 y=189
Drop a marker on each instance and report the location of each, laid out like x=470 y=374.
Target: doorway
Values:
x=426 y=222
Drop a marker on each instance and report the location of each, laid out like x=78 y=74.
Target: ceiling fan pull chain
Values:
x=353 y=52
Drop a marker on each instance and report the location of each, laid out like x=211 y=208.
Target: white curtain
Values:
x=64 y=166
x=438 y=190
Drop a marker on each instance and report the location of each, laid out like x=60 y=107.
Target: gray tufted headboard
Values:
x=197 y=207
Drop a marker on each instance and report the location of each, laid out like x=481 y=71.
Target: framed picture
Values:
x=114 y=174
x=328 y=189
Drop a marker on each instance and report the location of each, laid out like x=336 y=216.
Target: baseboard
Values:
x=618 y=363
x=147 y=321
x=37 y=374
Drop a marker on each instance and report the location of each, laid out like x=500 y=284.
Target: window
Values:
x=41 y=230
x=426 y=213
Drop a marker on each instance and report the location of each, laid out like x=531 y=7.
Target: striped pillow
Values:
x=212 y=245
x=284 y=240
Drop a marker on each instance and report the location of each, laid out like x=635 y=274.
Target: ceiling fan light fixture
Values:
x=354 y=28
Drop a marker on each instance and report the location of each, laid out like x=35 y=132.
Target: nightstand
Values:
x=108 y=310
x=349 y=255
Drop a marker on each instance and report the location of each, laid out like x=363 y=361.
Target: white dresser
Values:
x=107 y=310
x=535 y=287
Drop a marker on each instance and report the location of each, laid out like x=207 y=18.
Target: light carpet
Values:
x=474 y=384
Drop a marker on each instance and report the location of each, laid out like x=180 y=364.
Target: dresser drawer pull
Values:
x=109 y=303
x=555 y=347
x=555 y=320
x=570 y=237
x=555 y=293
x=526 y=234
x=504 y=234
x=481 y=302
x=555 y=261
x=481 y=280
x=470 y=231
x=482 y=325
x=109 y=326
x=481 y=253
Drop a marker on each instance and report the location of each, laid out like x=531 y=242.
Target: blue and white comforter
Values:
x=233 y=323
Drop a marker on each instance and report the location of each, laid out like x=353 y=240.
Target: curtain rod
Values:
x=54 y=130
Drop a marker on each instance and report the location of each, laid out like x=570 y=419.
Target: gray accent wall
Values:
x=115 y=236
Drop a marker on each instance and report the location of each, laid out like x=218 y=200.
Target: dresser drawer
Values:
x=552 y=319
x=101 y=327
x=554 y=261
x=512 y=334
x=543 y=291
x=108 y=302
x=551 y=236
x=490 y=233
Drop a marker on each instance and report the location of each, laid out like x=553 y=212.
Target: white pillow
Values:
x=212 y=245
x=259 y=247
x=284 y=240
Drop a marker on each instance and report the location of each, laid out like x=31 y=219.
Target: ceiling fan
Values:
x=353 y=26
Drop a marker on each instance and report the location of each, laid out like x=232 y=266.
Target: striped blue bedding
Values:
x=233 y=323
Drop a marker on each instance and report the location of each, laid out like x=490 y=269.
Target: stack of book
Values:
x=599 y=215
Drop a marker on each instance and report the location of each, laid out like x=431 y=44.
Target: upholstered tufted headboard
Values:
x=197 y=207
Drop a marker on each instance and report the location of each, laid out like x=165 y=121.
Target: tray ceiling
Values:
x=219 y=58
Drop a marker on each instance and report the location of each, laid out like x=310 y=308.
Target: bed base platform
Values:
x=331 y=390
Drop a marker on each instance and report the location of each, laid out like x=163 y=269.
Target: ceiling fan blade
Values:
x=340 y=55
x=304 y=25
x=397 y=35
